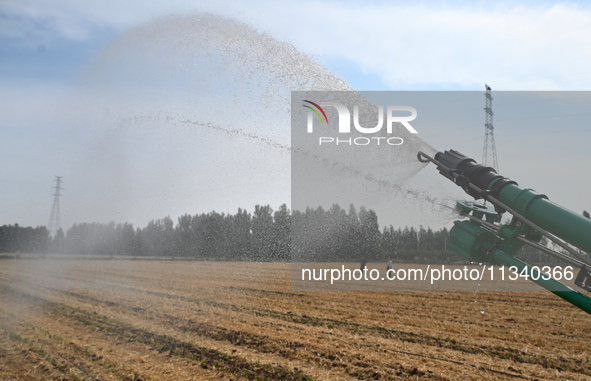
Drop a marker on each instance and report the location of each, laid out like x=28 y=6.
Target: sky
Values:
x=147 y=110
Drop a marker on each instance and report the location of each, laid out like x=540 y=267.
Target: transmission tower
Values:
x=54 y=219
x=489 y=153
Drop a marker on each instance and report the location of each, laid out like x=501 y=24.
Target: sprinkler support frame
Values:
x=534 y=216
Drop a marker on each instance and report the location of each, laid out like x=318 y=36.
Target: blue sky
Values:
x=50 y=125
x=375 y=45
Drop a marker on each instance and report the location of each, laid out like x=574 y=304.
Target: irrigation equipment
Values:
x=483 y=238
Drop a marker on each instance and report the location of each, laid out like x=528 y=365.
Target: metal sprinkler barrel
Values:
x=534 y=216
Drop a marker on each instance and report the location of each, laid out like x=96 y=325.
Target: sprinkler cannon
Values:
x=483 y=238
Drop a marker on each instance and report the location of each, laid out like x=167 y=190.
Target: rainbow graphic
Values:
x=316 y=112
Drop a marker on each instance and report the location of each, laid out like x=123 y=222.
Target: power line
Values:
x=54 y=219
x=489 y=153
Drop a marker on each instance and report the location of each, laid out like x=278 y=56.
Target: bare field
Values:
x=174 y=320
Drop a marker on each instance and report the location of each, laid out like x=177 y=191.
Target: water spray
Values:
x=484 y=238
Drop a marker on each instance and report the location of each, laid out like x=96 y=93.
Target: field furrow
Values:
x=141 y=320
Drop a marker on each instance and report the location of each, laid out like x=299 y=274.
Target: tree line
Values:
x=315 y=234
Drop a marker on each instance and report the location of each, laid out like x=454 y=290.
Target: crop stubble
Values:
x=161 y=320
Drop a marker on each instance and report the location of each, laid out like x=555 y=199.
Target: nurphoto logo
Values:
x=316 y=111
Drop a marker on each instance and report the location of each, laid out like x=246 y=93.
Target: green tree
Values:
x=262 y=233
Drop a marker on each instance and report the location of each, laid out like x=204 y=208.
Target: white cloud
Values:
x=526 y=47
x=411 y=46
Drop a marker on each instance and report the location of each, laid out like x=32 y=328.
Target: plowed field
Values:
x=176 y=320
